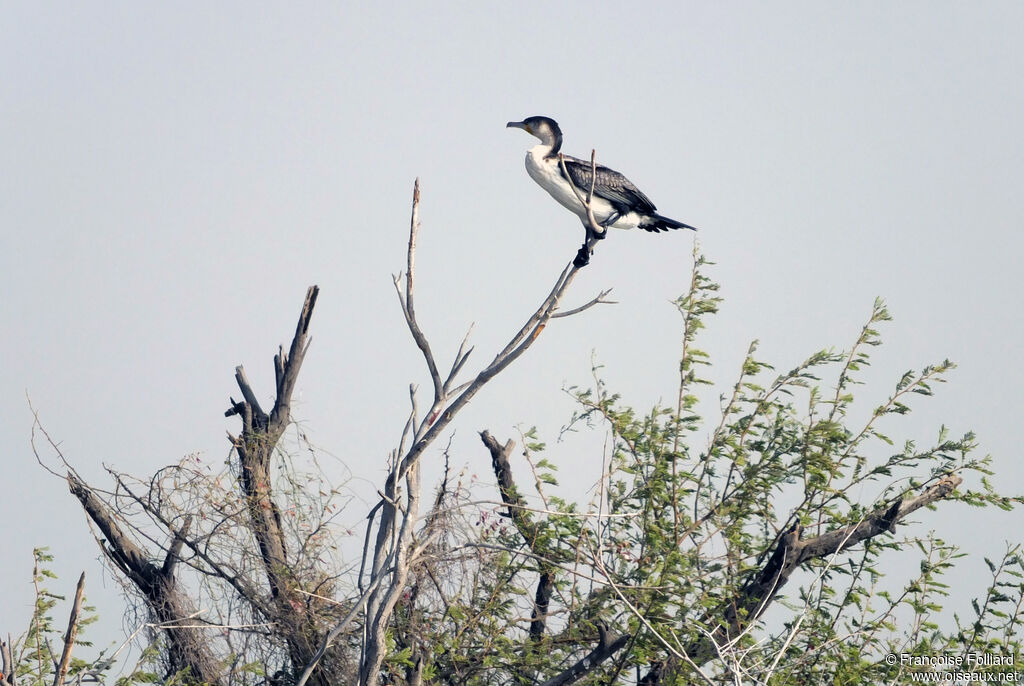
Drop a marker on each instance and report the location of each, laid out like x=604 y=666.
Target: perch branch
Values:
x=586 y=202
x=399 y=506
x=595 y=231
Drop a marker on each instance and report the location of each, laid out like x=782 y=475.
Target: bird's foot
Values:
x=593 y=234
x=582 y=257
x=609 y=220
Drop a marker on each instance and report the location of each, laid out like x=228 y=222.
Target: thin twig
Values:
x=408 y=306
x=393 y=553
x=599 y=300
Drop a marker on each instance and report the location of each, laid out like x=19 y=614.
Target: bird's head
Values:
x=544 y=128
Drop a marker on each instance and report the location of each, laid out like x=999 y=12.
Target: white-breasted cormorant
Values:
x=616 y=202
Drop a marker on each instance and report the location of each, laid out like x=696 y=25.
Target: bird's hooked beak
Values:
x=519 y=125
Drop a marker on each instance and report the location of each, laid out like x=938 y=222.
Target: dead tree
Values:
x=398 y=544
x=188 y=651
x=255 y=447
x=282 y=596
x=189 y=648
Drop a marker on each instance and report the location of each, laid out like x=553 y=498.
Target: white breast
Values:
x=547 y=174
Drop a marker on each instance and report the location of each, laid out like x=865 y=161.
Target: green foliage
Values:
x=36 y=658
x=690 y=512
x=689 y=515
x=38 y=650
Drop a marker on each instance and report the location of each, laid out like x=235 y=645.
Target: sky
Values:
x=174 y=177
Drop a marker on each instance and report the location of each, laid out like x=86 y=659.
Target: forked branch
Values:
x=255 y=446
x=407 y=299
x=167 y=600
x=791 y=551
x=395 y=545
x=446 y=407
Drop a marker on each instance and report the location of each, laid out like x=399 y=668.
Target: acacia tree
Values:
x=665 y=577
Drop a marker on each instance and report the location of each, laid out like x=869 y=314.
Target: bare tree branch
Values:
x=606 y=647
x=242 y=586
x=255 y=447
x=599 y=300
x=71 y=635
x=187 y=647
x=460 y=359
x=247 y=393
x=520 y=516
x=174 y=552
x=506 y=487
x=338 y=628
x=407 y=303
x=287 y=367
x=595 y=231
x=791 y=552
x=7 y=676
x=400 y=506
x=591 y=222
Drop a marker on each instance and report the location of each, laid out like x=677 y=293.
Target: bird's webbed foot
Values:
x=593 y=235
x=582 y=257
x=612 y=218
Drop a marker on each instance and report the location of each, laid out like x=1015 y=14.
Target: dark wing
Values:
x=610 y=185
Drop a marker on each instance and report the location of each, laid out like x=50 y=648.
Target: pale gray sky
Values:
x=174 y=177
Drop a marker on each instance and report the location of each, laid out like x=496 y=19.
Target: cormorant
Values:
x=616 y=202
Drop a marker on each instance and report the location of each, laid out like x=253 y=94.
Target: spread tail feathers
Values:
x=656 y=223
